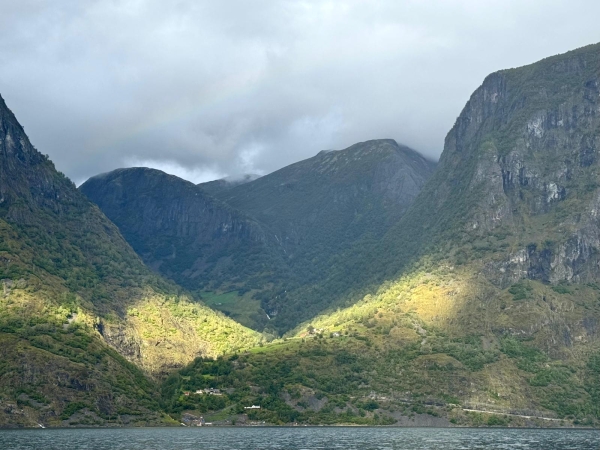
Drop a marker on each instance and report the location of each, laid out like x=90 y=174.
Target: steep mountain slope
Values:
x=485 y=296
x=268 y=237
x=177 y=228
x=73 y=293
x=320 y=205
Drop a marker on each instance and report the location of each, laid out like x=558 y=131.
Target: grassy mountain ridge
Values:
x=72 y=292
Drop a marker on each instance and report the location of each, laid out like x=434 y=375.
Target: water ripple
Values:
x=308 y=438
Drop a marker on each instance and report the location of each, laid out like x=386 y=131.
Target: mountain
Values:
x=509 y=219
x=516 y=184
x=481 y=305
x=176 y=227
x=469 y=297
x=84 y=325
x=265 y=238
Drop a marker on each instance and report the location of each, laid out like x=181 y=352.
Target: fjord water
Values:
x=299 y=439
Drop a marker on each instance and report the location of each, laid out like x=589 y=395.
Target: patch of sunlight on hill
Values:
x=52 y=360
x=430 y=297
x=173 y=330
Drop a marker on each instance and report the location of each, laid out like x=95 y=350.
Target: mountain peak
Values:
x=139 y=171
x=15 y=143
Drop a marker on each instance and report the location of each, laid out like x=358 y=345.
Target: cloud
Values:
x=193 y=174
x=205 y=88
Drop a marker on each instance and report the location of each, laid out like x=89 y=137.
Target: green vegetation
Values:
x=319 y=381
x=520 y=291
x=242 y=308
x=406 y=350
x=66 y=370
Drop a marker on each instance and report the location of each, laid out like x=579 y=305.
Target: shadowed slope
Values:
x=179 y=230
x=190 y=236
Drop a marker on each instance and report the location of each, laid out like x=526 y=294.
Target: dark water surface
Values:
x=298 y=439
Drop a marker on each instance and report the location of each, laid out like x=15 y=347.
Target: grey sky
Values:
x=204 y=89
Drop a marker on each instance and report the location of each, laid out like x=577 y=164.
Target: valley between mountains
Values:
x=364 y=286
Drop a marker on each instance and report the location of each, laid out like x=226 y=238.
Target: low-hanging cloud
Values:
x=205 y=89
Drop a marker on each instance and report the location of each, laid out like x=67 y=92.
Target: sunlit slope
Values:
x=530 y=347
x=77 y=303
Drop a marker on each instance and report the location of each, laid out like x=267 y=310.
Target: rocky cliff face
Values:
x=28 y=179
x=527 y=145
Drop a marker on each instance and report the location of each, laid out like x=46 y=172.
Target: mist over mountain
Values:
x=223 y=184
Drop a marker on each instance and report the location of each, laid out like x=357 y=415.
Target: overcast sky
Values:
x=205 y=89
